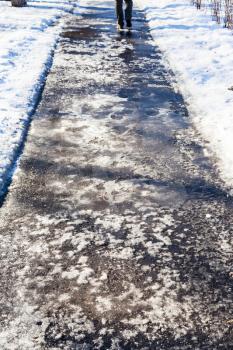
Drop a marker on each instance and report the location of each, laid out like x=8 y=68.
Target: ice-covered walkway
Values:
x=116 y=232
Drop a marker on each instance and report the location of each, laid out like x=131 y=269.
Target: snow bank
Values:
x=200 y=53
x=27 y=40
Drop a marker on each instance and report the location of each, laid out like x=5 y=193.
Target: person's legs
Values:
x=119 y=13
x=128 y=12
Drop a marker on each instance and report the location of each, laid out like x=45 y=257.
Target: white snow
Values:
x=27 y=39
x=200 y=52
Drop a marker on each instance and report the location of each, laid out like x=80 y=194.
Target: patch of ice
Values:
x=200 y=53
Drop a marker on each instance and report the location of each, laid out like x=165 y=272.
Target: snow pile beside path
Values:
x=200 y=53
x=27 y=39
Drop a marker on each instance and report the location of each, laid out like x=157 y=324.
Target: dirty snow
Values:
x=200 y=53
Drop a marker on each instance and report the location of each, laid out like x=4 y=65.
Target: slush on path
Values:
x=116 y=230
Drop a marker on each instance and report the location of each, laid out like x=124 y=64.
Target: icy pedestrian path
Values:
x=116 y=233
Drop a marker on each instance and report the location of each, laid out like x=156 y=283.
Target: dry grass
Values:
x=221 y=10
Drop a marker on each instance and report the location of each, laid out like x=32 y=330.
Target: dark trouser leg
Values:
x=119 y=12
x=128 y=10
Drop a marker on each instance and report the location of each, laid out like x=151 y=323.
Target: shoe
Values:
x=120 y=26
x=129 y=24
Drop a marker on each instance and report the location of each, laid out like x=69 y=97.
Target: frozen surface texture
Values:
x=200 y=53
x=116 y=233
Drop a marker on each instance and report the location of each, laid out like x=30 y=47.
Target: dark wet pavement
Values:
x=116 y=232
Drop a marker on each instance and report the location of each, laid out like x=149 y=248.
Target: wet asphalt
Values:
x=116 y=232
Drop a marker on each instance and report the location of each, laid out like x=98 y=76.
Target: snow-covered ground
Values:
x=27 y=39
x=200 y=53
